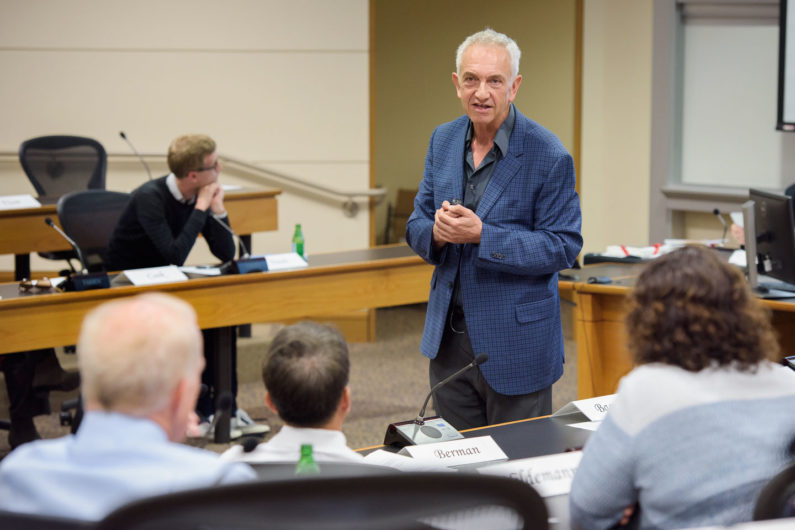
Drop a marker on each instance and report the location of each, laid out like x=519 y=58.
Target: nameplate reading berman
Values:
x=457 y=452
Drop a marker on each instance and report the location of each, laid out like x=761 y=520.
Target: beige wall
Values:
x=414 y=49
x=280 y=83
x=616 y=122
x=286 y=85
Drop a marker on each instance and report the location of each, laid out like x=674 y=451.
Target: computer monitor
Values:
x=775 y=234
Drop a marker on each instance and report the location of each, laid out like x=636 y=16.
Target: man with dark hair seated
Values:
x=140 y=360
x=306 y=381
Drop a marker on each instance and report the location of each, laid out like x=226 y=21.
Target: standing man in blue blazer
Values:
x=498 y=215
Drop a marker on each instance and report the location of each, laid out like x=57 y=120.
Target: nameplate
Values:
x=155 y=275
x=16 y=202
x=457 y=452
x=550 y=475
x=286 y=261
x=594 y=409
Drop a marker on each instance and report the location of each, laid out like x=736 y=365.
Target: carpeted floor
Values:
x=389 y=378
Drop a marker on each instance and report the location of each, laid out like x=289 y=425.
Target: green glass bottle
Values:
x=306 y=464
x=298 y=241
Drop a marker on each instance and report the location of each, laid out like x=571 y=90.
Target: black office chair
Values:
x=89 y=218
x=406 y=500
x=57 y=165
x=777 y=498
x=13 y=520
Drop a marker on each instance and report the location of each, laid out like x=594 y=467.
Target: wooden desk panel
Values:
x=343 y=281
x=24 y=231
x=602 y=353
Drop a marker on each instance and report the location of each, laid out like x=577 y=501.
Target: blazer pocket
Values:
x=538 y=310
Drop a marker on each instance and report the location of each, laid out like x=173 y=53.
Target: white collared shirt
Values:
x=171 y=184
x=327 y=446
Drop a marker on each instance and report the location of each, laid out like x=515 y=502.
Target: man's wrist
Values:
x=220 y=215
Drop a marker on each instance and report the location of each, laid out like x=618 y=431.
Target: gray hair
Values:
x=132 y=353
x=490 y=37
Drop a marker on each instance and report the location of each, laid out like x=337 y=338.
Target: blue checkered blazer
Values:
x=509 y=281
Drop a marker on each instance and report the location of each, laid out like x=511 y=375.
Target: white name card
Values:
x=15 y=202
x=550 y=475
x=594 y=409
x=286 y=261
x=457 y=452
x=155 y=275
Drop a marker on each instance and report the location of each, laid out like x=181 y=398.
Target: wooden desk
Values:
x=602 y=354
x=341 y=281
x=24 y=231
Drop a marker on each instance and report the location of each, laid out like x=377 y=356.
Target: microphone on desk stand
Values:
x=134 y=150
x=245 y=263
x=85 y=280
x=223 y=410
x=433 y=429
x=725 y=226
x=49 y=222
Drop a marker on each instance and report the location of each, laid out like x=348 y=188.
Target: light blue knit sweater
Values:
x=692 y=448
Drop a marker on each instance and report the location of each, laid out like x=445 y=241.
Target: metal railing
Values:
x=349 y=200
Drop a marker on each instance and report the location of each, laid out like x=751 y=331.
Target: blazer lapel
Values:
x=505 y=170
x=457 y=154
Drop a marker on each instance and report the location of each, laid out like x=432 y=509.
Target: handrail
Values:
x=349 y=199
x=349 y=205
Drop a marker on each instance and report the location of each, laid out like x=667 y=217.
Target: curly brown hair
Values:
x=692 y=310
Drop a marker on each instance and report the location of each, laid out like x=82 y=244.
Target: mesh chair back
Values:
x=57 y=165
x=89 y=218
x=406 y=500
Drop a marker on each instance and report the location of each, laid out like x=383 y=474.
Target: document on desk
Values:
x=16 y=202
x=201 y=270
x=283 y=262
x=550 y=475
x=155 y=275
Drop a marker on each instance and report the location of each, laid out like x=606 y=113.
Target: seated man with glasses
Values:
x=160 y=225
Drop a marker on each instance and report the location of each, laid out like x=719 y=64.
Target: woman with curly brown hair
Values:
x=705 y=418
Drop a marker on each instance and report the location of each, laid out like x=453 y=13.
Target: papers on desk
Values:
x=155 y=275
x=283 y=262
x=14 y=202
x=201 y=270
x=231 y=187
x=550 y=475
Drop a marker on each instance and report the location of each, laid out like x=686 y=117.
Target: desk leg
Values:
x=244 y=330
x=219 y=342
x=21 y=267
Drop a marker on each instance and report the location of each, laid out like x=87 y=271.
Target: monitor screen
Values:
x=775 y=235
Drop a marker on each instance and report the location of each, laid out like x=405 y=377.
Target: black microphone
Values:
x=477 y=361
x=223 y=408
x=723 y=222
x=71 y=241
x=428 y=430
x=134 y=150
x=245 y=263
x=242 y=250
x=249 y=444
x=85 y=280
